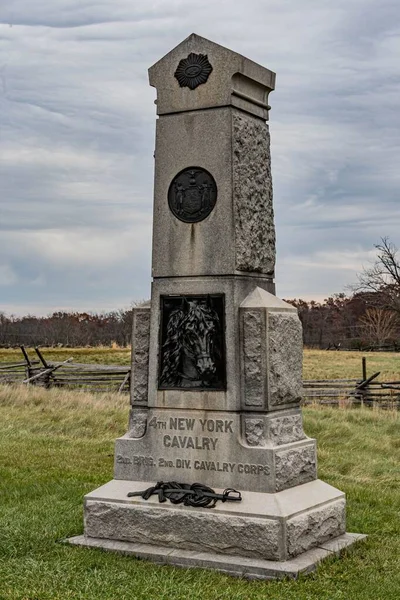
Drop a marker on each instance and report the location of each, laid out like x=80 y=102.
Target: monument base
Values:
x=237 y=566
x=263 y=536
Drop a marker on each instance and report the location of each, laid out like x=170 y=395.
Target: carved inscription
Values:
x=188 y=441
x=147 y=461
x=205 y=435
x=197 y=465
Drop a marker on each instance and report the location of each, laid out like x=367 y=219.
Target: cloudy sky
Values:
x=77 y=137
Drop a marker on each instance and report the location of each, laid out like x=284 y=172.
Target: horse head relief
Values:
x=192 y=345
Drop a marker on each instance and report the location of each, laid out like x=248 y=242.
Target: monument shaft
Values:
x=213 y=266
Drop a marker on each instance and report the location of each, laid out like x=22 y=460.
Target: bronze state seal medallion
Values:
x=192 y=195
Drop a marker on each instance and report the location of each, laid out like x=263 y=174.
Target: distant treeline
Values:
x=72 y=329
x=355 y=322
x=352 y=322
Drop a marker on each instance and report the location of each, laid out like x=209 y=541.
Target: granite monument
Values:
x=216 y=356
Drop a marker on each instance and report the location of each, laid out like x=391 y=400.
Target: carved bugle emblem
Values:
x=193 y=70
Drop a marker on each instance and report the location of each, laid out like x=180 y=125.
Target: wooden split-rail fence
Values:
x=366 y=391
x=342 y=392
x=68 y=374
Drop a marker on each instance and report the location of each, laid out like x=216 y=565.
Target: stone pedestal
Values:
x=250 y=435
x=216 y=356
x=265 y=536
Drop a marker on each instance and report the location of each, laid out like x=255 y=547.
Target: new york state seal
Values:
x=192 y=194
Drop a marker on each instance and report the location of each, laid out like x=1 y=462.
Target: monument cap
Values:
x=199 y=74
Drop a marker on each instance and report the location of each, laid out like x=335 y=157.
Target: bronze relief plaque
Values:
x=193 y=70
x=192 y=195
x=192 y=340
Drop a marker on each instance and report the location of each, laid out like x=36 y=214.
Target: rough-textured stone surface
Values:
x=295 y=466
x=238 y=235
x=271 y=351
x=252 y=193
x=316 y=527
x=185 y=529
x=273 y=429
x=285 y=348
x=254 y=430
x=260 y=525
x=253 y=353
x=137 y=422
x=140 y=355
x=285 y=429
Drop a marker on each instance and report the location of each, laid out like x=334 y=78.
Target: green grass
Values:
x=324 y=364
x=318 y=364
x=56 y=446
x=99 y=355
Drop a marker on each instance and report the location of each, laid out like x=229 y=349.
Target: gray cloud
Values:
x=77 y=134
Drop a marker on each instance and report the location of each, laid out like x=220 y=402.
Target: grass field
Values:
x=318 y=364
x=99 y=355
x=56 y=446
x=323 y=364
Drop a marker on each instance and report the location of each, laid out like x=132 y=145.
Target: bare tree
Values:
x=378 y=325
x=381 y=281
